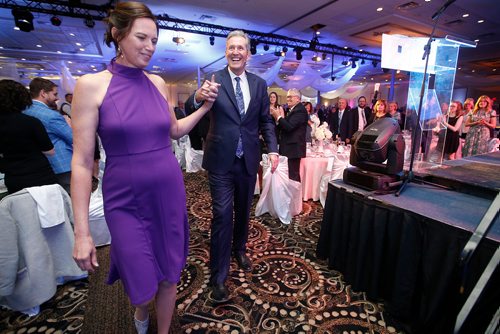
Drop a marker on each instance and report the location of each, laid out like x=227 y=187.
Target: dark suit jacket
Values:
x=226 y=125
x=346 y=127
x=355 y=117
x=293 y=132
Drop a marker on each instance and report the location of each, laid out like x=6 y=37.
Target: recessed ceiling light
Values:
x=371 y=78
x=1 y=47
x=79 y=71
x=82 y=49
x=494 y=69
x=16 y=28
x=78 y=44
x=360 y=50
x=480 y=21
x=465 y=15
x=380 y=9
x=23 y=59
x=398 y=71
x=473 y=71
x=70 y=62
x=476 y=40
x=399 y=79
x=459 y=68
x=71 y=34
x=38 y=46
x=92 y=66
x=94 y=69
x=427 y=0
x=345 y=47
x=59 y=52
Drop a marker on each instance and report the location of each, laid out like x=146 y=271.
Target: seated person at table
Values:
x=23 y=141
x=292 y=143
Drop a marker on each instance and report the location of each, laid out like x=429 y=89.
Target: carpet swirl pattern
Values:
x=288 y=291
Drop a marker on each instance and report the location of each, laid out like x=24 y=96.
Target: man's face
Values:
x=292 y=100
x=69 y=98
x=237 y=54
x=362 y=102
x=342 y=104
x=50 y=97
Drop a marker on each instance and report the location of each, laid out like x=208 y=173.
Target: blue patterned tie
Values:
x=241 y=108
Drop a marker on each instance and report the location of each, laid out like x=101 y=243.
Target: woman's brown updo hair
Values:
x=122 y=17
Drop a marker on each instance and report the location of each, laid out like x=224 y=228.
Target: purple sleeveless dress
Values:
x=143 y=187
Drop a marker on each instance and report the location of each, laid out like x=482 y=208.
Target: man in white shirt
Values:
x=362 y=114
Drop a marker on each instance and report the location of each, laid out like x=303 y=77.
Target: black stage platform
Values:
x=478 y=175
x=406 y=250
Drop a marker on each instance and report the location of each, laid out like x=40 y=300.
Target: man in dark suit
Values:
x=341 y=122
x=232 y=156
x=362 y=115
x=293 y=132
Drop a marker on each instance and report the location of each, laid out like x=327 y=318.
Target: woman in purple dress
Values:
x=143 y=189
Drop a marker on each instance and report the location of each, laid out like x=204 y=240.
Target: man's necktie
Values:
x=364 y=117
x=241 y=108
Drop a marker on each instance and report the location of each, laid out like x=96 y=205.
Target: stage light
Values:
x=345 y=62
x=178 y=40
x=313 y=43
x=23 y=19
x=353 y=63
x=362 y=61
x=253 y=47
x=374 y=63
x=89 y=22
x=55 y=21
x=333 y=78
x=323 y=56
x=212 y=40
x=298 y=53
x=316 y=58
x=266 y=47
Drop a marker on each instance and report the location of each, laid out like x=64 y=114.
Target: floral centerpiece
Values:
x=322 y=132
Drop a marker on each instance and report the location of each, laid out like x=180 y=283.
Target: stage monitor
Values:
x=379 y=148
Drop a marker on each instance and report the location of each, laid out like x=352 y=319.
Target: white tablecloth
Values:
x=313 y=168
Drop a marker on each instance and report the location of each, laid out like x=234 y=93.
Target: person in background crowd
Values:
x=143 y=189
x=310 y=124
x=341 y=122
x=453 y=125
x=361 y=115
x=232 y=156
x=44 y=95
x=293 y=128
x=480 y=121
x=380 y=110
x=24 y=143
x=394 y=112
x=65 y=107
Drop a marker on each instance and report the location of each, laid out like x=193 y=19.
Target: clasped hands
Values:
x=208 y=91
x=277 y=112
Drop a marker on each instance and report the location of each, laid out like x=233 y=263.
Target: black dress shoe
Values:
x=219 y=292
x=243 y=261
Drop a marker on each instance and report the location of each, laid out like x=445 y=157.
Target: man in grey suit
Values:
x=293 y=132
x=232 y=155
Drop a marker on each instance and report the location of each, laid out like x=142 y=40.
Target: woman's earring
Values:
x=119 y=51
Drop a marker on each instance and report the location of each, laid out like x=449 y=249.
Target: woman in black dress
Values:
x=23 y=141
x=453 y=125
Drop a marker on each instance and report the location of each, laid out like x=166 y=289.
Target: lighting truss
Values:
x=98 y=12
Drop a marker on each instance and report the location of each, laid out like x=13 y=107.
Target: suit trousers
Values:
x=231 y=191
x=294 y=169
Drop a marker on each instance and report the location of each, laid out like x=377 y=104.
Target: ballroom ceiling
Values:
x=354 y=24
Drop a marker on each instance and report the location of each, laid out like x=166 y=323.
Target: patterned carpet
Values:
x=288 y=291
